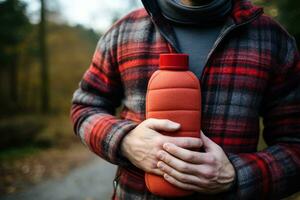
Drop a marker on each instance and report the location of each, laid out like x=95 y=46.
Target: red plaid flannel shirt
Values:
x=253 y=71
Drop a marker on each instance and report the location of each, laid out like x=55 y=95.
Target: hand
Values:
x=141 y=144
x=207 y=172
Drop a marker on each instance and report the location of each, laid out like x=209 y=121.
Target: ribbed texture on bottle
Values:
x=173 y=93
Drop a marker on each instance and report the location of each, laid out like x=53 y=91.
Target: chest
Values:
x=235 y=77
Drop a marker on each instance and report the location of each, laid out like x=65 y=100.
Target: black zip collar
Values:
x=167 y=31
x=161 y=23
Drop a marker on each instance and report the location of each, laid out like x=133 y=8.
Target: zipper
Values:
x=116 y=180
x=154 y=8
x=223 y=35
x=173 y=45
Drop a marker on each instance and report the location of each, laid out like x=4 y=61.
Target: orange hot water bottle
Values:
x=173 y=93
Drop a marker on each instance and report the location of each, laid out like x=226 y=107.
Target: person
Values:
x=248 y=67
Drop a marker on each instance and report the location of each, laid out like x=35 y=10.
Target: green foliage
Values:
x=70 y=53
x=13 y=30
x=289 y=15
x=17 y=153
x=19 y=131
x=287 y=12
x=70 y=50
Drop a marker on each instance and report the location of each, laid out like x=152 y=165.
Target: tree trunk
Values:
x=14 y=81
x=45 y=107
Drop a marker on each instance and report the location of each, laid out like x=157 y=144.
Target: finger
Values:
x=158 y=172
x=162 y=124
x=176 y=163
x=187 y=186
x=200 y=182
x=182 y=177
x=200 y=170
x=188 y=155
x=186 y=142
x=182 y=185
x=207 y=142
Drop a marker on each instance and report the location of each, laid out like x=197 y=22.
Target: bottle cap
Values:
x=174 y=61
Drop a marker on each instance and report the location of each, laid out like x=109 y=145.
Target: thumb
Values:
x=162 y=125
x=208 y=144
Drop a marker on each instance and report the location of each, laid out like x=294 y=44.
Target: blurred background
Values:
x=45 y=47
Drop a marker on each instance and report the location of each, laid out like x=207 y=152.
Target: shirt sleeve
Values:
x=274 y=172
x=94 y=103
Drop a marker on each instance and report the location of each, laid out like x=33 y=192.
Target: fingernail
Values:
x=174 y=125
x=166 y=146
x=159 y=164
x=201 y=142
x=160 y=155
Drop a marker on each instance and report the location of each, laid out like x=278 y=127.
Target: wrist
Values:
x=124 y=147
x=227 y=176
x=231 y=177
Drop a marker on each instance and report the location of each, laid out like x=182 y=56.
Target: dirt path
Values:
x=88 y=182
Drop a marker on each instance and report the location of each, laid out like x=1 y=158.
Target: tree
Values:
x=14 y=29
x=44 y=61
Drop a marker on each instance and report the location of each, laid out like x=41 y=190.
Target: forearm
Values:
x=97 y=127
x=270 y=174
x=274 y=173
x=101 y=132
x=94 y=103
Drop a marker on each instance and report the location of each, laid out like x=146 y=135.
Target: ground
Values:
x=89 y=182
x=76 y=174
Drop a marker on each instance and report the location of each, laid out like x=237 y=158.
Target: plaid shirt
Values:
x=253 y=71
